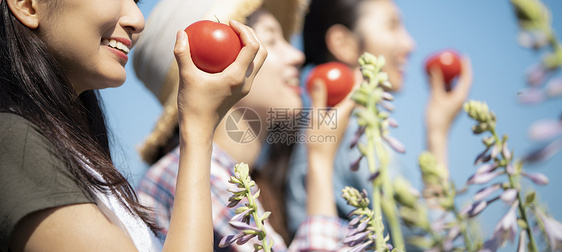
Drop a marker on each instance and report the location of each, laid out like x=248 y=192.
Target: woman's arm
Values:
x=319 y=180
x=202 y=101
x=443 y=107
x=201 y=107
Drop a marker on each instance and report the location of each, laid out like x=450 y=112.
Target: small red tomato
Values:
x=213 y=46
x=337 y=77
x=449 y=62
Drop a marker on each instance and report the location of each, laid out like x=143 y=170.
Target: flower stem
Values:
x=257 y=218
x=392 y=217
x=463 y=228
x=376 y=197
x=522 y=212
x=528 y=229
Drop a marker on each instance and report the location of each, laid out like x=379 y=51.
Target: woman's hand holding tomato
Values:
x=340 y=112
x=449 y=62
x=206 y=98
x=337 y=77
x=443 y=106
x=213 y=45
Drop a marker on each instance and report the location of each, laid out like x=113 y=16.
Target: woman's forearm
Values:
x=193 y=186
x=319 y=183
x=437 y=144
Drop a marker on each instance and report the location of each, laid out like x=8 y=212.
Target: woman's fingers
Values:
x=251 y=56
x=181 y=51
x=464 y=82
x=318 y=94
x=436 y=81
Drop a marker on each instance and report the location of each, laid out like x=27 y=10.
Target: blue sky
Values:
x=483 y=30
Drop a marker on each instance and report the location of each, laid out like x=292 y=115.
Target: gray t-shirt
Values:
x=33 y=176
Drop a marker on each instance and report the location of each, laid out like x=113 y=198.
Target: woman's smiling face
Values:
x=277 y=83
x=90 y=39
x=382 y=32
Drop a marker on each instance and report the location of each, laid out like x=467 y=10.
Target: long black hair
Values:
x=34 y=86
x=321 y=15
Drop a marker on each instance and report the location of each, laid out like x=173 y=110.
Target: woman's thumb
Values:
x=318 y=94
x=181 y=49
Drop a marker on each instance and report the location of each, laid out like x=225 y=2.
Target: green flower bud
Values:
x=404 y=193
x=531 y=10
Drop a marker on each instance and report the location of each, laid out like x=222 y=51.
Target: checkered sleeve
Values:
x=320 y=233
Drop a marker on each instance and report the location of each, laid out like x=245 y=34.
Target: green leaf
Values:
x=529 y=198
x=265 y=215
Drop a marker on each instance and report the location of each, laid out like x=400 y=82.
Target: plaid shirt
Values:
x=157 y=189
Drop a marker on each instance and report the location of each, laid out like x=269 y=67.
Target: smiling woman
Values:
x=59 y=189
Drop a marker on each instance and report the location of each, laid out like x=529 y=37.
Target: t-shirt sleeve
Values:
x=32 y=176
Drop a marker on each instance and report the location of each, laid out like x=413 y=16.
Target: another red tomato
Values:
x=338 y=78
x=450 y=64
x=213 y=46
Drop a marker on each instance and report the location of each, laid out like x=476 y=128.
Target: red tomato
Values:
x=213 y=45
x=338 y=78
x=449 y=62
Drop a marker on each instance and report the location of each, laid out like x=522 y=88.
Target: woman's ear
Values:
x=343 y=44
x=25 y=11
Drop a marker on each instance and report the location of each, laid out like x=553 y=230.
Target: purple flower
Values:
x=506 y=229
x=545 y=129
x=505 y=151
x=387 y=96
x=522 y=240
x=361 y=247
x=487 y=168
x=355 y=165
x=552 y=230
x=239 y=225
x=353 y=240
x=374 y=176
x=509 y=195
x=387 y=105
x=545 y=152
x=473 y=209
x=394 y=144
x=536 y=74
x=532 y=39
x=240 y=216
x=510 y=169
x=486 y=191
x=483 y=157
x=482 y=178
x=233 y=201
x=359 y=228
x=531 y=96
x=359 y=236
x=392 y=122
x=360 y=131
x=537 y=178
x=230 y=239
x=495 y=151
x=554 y=87
x=245 y=239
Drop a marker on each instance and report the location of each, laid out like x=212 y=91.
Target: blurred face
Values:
x=382 y=32
x=91 y=39
x=277 y=83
